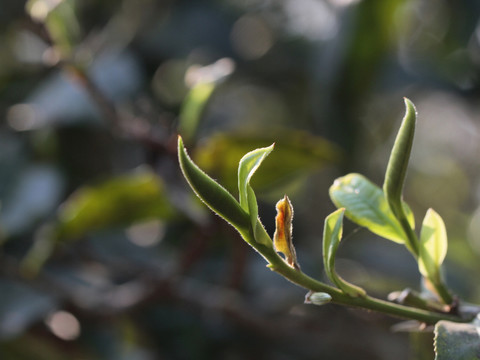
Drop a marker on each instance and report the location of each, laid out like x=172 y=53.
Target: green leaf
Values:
x=366 y=205
x=249 y=163
x=193 y=108
x=219 y=200
x=433 y=246
x=457 y=341
x=332 y=234
x=60 y=20
x=396 y=172
x=119 y=201
x=398 y=162
x=259 y=232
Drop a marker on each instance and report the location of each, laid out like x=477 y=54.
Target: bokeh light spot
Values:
x=64 y=325
x=146 y=234
x=251 y=37
x=21 y=117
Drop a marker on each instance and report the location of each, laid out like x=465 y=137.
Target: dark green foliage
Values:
x=97 y=220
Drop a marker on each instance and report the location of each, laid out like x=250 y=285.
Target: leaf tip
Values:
x=410 y=106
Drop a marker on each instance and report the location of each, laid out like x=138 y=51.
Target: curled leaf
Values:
x=282 y=239
x=249 y=163
x=398 y=162
x=366 y=205
x=213 y=194
x=332 y=234
x=397 y=170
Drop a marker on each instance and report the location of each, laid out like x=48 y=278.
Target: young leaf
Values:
x=246 y=168
x=454 y=341
x=282 y=239
x=396 y=172
x=366 y=205
x=433 y=246
x=211 y=193
x=248 y=201
x=398 y=162
x=332 y=234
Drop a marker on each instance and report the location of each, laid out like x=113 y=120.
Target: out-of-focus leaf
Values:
x=296 y=153
x=332 y=235
x=119 y=201
x=366 y=205
x=203 y=81
x=192 y=109
x=454 y=341
x=433 y=246
x=60 y=19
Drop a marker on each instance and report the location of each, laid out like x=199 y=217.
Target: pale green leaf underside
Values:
x=433 y=245
x=332 y=235
x=365 y=204
x=457 y=341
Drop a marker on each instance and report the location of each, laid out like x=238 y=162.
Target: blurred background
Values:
x=106 y=253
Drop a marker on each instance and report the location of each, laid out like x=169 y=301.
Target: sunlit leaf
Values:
x=433 y=246
x=213 y=194
x=119 y=201
x=248 y=165
x=332 y=235
x=457 y=341
x=366 y=205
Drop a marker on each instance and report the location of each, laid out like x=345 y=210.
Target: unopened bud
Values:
x=317 y=298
